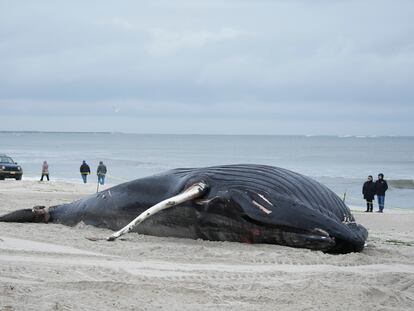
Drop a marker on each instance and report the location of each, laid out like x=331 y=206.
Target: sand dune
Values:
x=54 y=267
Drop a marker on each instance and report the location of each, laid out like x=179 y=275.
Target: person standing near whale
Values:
x=85 y=171
x=368 y=190
x=381 y=187
x=101 y=172
x=45 y=171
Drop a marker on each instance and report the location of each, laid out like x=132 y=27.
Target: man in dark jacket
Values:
x=85 y=171
x=101 y=172
x=368 y=190
x=380 y=187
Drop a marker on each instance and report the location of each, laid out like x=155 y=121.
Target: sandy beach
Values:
x=54 y=267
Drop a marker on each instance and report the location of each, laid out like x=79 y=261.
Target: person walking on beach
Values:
x=101 y=172
x=368 y=190
x=85 y=171
x=380 y=187
x=45 y=171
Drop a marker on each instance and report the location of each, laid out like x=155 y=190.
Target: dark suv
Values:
x=9 y=168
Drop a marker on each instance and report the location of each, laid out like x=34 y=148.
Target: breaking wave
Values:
x=401 y=183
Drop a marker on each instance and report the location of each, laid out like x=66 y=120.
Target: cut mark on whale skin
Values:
x=264 y=199
x=321 y=231
x=204 y=201
x=347 y=220
x=262 y=208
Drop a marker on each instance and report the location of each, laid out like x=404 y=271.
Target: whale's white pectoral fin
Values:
x=191 y=193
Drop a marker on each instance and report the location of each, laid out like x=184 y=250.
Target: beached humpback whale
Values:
x=242 y=203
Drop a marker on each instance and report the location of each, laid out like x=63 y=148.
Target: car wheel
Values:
x=1 y=177
x=19 y=177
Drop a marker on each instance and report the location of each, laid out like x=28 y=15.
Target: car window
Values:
x=6 y=160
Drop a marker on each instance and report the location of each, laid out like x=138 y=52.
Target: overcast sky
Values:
x=208 y=66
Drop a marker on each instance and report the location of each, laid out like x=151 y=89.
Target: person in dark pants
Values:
x=380 y=187
x=101 y=172
x=45 y=171
x=85 y=171
x=368 y=190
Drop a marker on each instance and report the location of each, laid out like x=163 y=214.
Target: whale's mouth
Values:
x=316 y=239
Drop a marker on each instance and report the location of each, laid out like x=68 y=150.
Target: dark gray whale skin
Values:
x=244 y=203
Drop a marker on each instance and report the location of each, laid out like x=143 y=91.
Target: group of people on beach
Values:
x=370 y=189
x=84 y=169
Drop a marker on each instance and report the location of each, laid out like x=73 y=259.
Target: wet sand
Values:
x=54 y=267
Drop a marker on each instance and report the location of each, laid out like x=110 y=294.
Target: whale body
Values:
x=244 y=203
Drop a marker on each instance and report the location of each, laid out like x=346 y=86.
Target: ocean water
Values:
x=341 y=163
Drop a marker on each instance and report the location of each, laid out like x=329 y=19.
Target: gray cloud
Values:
x=307 y=66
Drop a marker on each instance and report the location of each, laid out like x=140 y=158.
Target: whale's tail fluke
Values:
x=35 y=214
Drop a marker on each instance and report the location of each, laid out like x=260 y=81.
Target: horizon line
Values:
x=198 y=134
